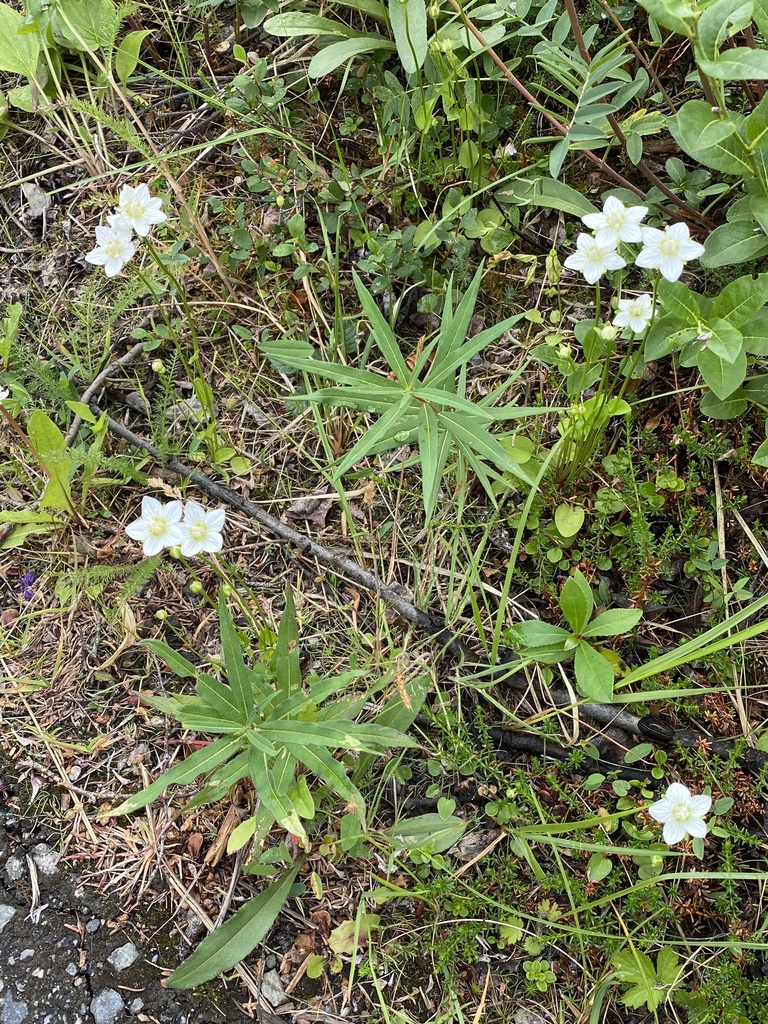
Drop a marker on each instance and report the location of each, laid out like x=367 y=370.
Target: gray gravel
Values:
x=68 y=955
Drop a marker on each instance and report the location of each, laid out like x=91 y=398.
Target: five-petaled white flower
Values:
x=201 y=530
x=669 y=250
x=634 y=313
x=159 y=526
x=139 y=209
x=617 y=223
x=114 y=247
x=682 y=813
x=593 y=259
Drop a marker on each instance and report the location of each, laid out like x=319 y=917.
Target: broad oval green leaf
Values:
x=127 y=55
x=740 y=64
x=19 y=50
x=408 y=19
x=734 y=243
x=594 y=674
x=569 y=519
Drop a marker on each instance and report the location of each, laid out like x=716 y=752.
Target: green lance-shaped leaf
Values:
x=348 y=736
x=178 y=664
x=382 y=332
x=287 y=667
x=219 y=697
x=297 y=23
x=277 y=803
x=613 y=622
x=233 y=941
x=333 y=56
x=238 y=673
x=434 y=448
x=200 y=763
x=386 y=427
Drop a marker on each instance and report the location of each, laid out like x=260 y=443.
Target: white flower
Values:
x=159 y=526
x=668 y=250
x=593 y=259
x=617 y=223
x=682 y=813
x=635 y=313
x=114 y=246
x=139 y=209
x=201 y=530
x=4 y=393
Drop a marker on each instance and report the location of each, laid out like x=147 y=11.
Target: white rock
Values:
x=123 y=956
x=107 y=1007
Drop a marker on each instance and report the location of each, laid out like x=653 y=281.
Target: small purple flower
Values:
x=25 y=585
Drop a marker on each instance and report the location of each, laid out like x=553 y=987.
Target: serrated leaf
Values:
x=594 y=674
x=576 y=601
x=613 y=622
x=535 y=633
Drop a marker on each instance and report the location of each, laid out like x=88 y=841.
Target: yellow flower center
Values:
x=114 y=248
x=669 y=246
x=198 y=530
x=681 y=813
x=134 y=209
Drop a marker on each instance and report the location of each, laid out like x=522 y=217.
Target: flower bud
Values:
x=197 y=587
x=609 y=332
x=158 y=366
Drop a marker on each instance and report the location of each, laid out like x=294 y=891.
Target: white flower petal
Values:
x=696 y=827
x=674 y=832
x=216 y=519
x=661 y=810
x=677 y=793
x=700 y=805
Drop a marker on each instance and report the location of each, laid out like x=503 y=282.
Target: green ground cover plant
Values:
x=383 y=420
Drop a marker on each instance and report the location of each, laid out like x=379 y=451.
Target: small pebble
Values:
x=46 y=859
x=107 y=1007
x=13 y=1012
x=15 y=868
x=123 y=956
x=6 y=914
